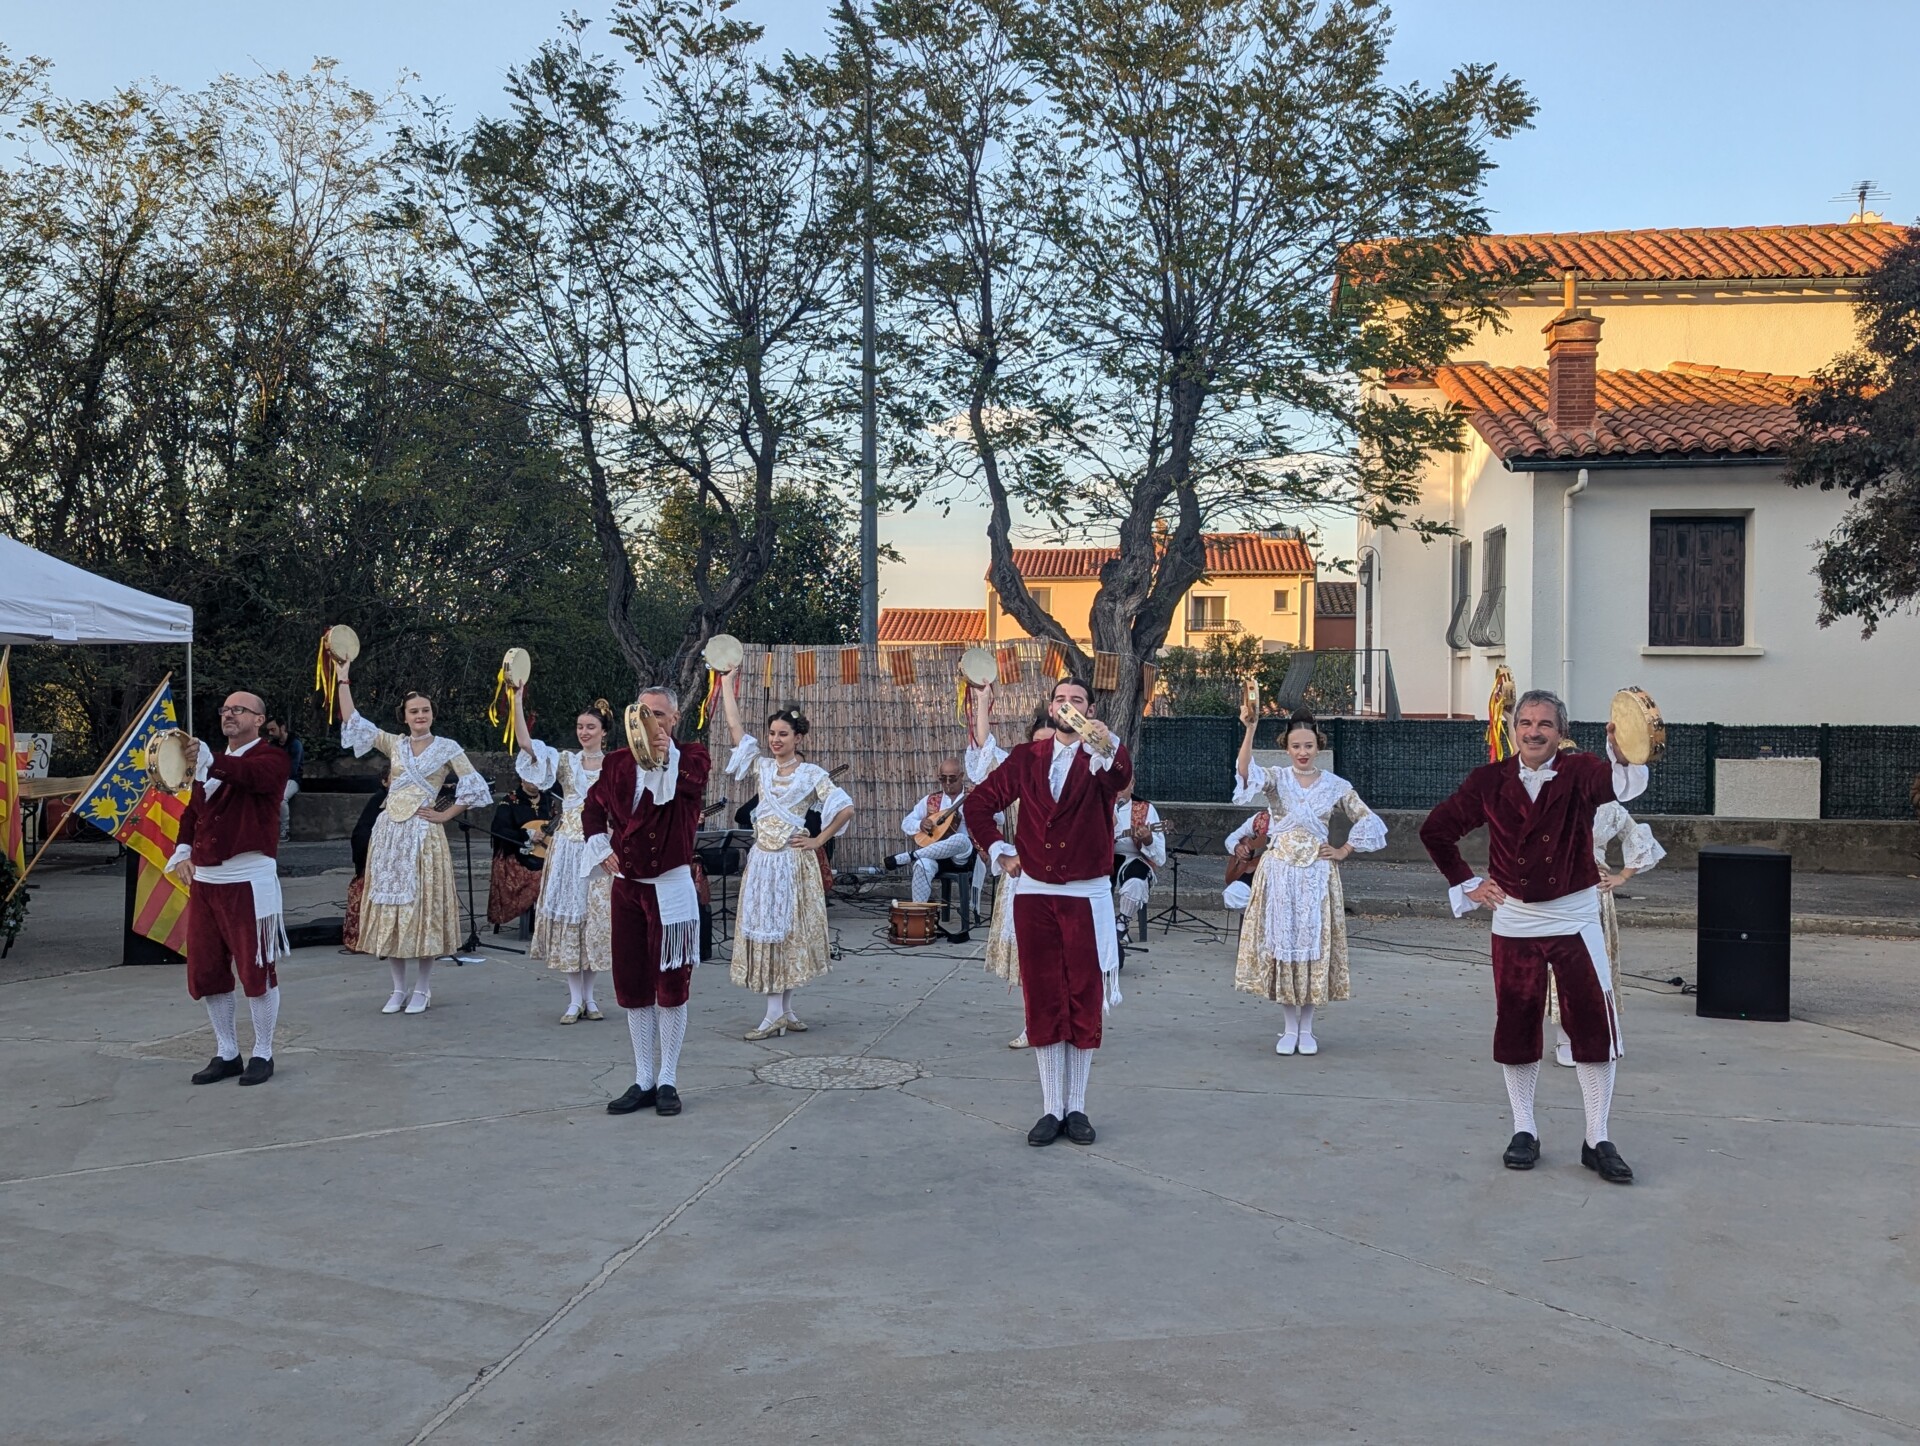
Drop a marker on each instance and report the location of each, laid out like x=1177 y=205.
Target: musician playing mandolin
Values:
x=1139 y=848
x=938 y=831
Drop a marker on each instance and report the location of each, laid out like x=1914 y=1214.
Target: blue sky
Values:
x=1685 y=113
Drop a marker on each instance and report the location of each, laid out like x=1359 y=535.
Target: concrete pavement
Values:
x=427 y=1228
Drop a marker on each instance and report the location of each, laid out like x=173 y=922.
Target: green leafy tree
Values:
x=1860 y=433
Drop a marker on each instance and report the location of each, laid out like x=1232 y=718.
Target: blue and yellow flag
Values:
x=121 y=783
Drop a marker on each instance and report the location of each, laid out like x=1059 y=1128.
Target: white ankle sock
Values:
x=1052 y=1059
x=1596 y=1092
x=266 y=1013
x=576 y=996
x=1306 y=1021
x=673 y=1033
x=1079 y=1066
x=640 y=1028
x=222 y=1010
x=398 y=968
x=1521 y=1080
x=776 y=1010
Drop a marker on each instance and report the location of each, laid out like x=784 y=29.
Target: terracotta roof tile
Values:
x=933 y=625
x=1831 y=252
x=1334 y=599
x=1229 y=554
x=1687 y=410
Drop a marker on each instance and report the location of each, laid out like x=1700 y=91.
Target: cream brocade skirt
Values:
x=1296 y=982
x=1003 y=954
x=1610 y=928
x=430 y=925
x=586 y=946
x=771 y=966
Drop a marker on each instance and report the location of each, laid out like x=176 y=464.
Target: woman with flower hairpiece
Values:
x=780 y=933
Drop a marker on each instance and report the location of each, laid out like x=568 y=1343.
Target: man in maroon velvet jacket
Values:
x=229 y=840
x=1059 y=864
x=640 y=828
x=1538 y=810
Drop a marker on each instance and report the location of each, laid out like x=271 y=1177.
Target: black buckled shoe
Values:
x=1605 y=1161
x=218 y=1069
x=1045 y=1130
x=634 y=1099
x=1523 y=1152
x=258 y=1071
x=668 y=1101
x=1078 y=1128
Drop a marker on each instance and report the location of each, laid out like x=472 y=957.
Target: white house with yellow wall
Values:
x=1257 y=584
x=1620 y=509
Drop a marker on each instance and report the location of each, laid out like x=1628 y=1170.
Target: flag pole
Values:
x=87 y=792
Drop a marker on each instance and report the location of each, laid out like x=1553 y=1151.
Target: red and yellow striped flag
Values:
x=13 y=838
x=152 y=830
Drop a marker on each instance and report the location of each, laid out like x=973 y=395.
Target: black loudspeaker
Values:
x=317 y=933
x=1745 y=918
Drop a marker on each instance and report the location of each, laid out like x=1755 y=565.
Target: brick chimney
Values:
x=1573 y=355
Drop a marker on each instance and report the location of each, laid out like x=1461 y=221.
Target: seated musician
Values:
x=937 y=829
x=1139 y=848
x=1244 y=847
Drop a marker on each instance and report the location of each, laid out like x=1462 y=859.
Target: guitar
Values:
x=940 y=825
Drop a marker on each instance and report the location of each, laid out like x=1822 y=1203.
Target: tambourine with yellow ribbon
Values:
x=978 y=667
x=1500 y=716
x=515 y=668
x=723 y=655
x=338 y=644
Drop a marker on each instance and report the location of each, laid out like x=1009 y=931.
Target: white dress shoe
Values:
x=396 y=1001
x=1309 y=1045
x=572 y=1016
x=418 y=1004
x=1286 y=1044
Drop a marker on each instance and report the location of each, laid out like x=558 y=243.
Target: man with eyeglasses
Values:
x=229 y=844
x=937 y=817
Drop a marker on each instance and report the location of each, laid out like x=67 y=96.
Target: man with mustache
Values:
x=1538 y=808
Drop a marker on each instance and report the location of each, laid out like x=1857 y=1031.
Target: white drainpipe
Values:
x=1566 y=587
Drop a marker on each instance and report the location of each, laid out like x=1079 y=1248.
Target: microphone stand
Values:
x=1173 y=915
x=469 y=950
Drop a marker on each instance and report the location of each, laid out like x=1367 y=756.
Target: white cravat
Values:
x=1534 y=779
x=208 y=784
x=1061 y=766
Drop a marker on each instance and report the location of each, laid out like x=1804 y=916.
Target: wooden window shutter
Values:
x=1697 y=582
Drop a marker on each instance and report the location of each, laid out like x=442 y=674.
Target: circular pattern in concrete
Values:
x=836 y=1072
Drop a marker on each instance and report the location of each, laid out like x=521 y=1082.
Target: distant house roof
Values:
x=933 y=625
x=1333 y=599
x=1704 y=253
x=1688 y=410
x=1229 y=554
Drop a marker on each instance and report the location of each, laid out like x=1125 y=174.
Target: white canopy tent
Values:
x=45 y=600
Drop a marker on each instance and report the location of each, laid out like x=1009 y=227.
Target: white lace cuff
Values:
x=472 y=791
x=599 y=849
x=541 y=767
x=740 y=761
x=1639 y=849
x=982 y=760
x=999 y=851
x=1369 y=832
x=1457 y=896
x=358 y=734
x=1253 y=787
x=181 y=854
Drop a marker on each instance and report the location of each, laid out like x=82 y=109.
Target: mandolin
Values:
x=942 y=824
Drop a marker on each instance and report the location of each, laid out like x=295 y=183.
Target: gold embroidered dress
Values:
x=780 y=933
x=409 y=908
x=573 y=922
x=1293 y=938
x=1003 y=954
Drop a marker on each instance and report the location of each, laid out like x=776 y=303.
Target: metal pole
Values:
x=869 y=461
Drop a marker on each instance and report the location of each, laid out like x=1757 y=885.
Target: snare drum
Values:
x=909 y=923
x=1639 y=733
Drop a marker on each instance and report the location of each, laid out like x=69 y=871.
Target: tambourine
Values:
x=342 y=643
x=1066 y=713
x=640 y=737
x=1639 y=732
x=171 y=758
x=723 y=652
x=979 y=667
x=516 y=667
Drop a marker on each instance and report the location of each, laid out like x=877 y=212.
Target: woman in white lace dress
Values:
x=984 y=754
x=1293 y=940
x=1639 y=851
x=573 y=920
x=409 y=909
x=780 y=932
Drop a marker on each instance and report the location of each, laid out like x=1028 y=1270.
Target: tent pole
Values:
x=189 y=685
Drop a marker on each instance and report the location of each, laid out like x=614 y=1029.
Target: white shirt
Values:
x=1155 y=852
x=210 y=785
x=917 y=819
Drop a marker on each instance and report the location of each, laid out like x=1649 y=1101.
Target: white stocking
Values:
x=1053 y=1078
x=776 y=1009
x=398 y=968
x=1290 y=1016
x=1079 y=1066
x=420 y=985
x=1596 y=1092
x=222 y=1010
x=673 y=1033
x=1521 y=1080
x=786 y=1001
x=576 y=996
x=266 y=1013
x=586 y=988
x=640 y=1026
x=1306 y=1021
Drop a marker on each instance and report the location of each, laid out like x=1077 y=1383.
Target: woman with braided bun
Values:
x=572 y=922
x=780 y=934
